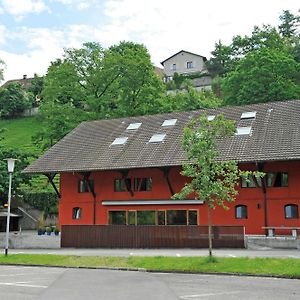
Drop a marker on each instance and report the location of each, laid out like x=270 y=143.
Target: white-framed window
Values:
x=173 y=67
x=189 y=65
x=291 y=211
x=76 y=213
x=241 y=212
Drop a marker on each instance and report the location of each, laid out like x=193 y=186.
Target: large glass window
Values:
x=176 y=217
x=117 y=217
x=83 y=186
x=241 y=212
x=143 y=184
x=146 y=217
x=161 y=217
x=76 y=213
x=122 y=185
x=248 y=182
x=193 y=217
x=152 y=217
x=279 y=179
x=132 y=217
x=291 y=211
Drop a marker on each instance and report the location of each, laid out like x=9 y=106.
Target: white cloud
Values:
x=21 y=8
x=164 y=27
x=168 y=26
x=78 y=4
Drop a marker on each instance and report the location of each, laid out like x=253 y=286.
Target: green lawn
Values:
x=289 y=267
x=19 y=133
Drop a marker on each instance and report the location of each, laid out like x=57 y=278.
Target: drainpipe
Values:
x=92 y=191
x=260 y=168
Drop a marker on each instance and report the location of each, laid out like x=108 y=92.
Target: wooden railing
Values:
x=143 y=236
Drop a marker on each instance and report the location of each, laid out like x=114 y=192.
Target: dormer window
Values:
x=170 y=122
x=120 y=141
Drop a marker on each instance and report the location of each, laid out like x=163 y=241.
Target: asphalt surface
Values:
x=43 y=283
x=262 y=252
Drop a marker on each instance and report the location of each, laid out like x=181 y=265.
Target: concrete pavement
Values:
x=18 y=283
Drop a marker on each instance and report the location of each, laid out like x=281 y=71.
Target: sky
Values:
x=34 y=32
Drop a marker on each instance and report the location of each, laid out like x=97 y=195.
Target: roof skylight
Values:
x=248 y=115
x=120 y=141
x=210 y=118
x=133 y=126
x=157 y=138
x=243 y=130
x=170 y=122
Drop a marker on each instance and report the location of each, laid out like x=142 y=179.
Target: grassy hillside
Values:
x=19 y=135
x=20 y=132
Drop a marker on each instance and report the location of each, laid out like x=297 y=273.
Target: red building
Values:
x=125 y=171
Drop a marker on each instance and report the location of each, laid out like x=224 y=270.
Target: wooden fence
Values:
x=143 y=236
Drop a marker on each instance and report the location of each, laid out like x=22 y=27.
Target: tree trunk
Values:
x=209 y=231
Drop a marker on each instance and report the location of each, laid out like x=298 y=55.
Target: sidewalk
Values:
x=30 y=239
x=275 y=253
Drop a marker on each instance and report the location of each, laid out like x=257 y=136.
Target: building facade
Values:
x=125 y=171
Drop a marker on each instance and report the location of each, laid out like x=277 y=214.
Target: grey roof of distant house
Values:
x=204 y=58
x=25 y=82
x=275 y=135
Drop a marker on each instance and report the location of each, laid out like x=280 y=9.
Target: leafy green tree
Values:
x=23 y=160
x=2 y=64
x=225 y=58
x=190 y=99
x=212 y=180
x=119 y=81
x=221 y=61
x=262 y=76
x=36 y=88
x=13 y=100
x=58 y=120
x=289 y=24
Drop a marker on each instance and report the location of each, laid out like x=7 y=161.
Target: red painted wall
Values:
x=277 y=197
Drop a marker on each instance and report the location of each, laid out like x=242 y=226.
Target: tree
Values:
x=225 y=58
x=36 y=88
x=114 y=82
x=18 y=178
x=262 y=76
x=190 y=99
x=2 y=64
x=221 y=61
x=212 y=180
x=289 y=24
x=13 y=100
x=58 y=120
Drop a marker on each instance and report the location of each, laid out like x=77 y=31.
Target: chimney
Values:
x=25 y=76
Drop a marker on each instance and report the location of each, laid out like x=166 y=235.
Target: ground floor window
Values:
x=291 y=211
x=153 y=217
x=76 y=213
x=241 y=212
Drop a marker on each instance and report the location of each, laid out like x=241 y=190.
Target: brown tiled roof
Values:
x=25 y=82
x=204 y=58
x=275 y=135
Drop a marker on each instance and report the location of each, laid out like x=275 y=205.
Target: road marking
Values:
x=23 y=285
x=190 y=297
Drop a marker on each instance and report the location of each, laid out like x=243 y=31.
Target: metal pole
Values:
x=8 y=214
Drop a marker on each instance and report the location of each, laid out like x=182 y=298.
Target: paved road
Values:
x=263 y=252
x=20 y=283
